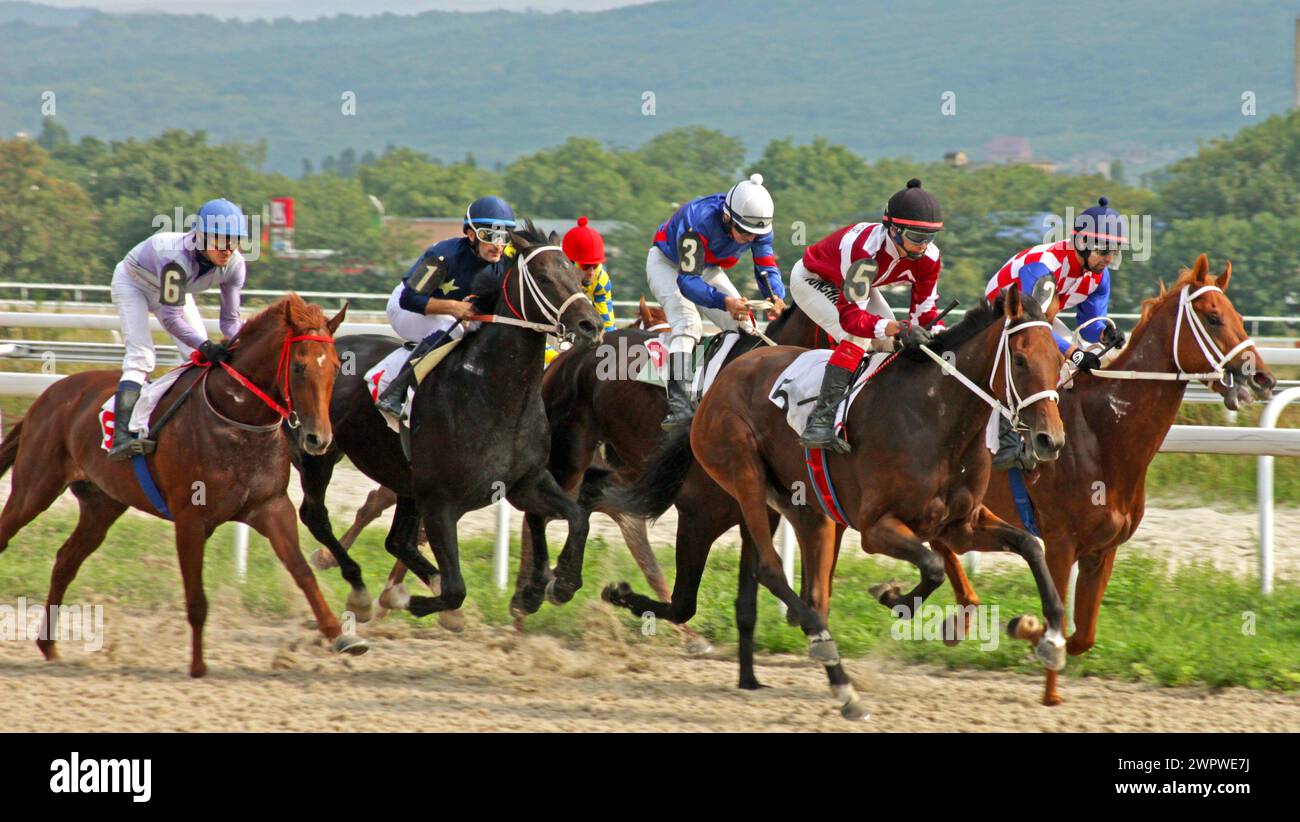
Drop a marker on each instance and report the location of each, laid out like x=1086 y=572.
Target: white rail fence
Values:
x=1265 y=442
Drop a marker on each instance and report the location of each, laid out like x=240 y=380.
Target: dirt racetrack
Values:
x=279 y=677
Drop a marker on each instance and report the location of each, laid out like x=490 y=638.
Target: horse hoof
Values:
x=1052 y=700
x=396 y=598
x=453 y=621
x=1024 y=627
x=616 y=594
x=198 y=670
x=823 y=649
x=750 y=684
x=886 y=592
x=350 y=644
x=952 y=637
x=1051 y=651
x=322 y=560
x=360 y=604
x=699 y=646
x=855 y=711
x=557 y=594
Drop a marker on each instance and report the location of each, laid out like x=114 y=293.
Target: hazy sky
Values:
x=318 y=8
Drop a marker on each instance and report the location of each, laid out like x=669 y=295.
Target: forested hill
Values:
x=1084 y=76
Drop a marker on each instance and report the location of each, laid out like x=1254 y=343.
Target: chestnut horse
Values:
x=226 y=441
x=918 y=471
x=1114 y=428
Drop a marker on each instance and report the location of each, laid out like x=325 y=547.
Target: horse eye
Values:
x=1214 y=319
x=1019 y=360
x=299 y=369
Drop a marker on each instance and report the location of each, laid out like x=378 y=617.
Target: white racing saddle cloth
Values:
x=150 y=394
x=795 y=390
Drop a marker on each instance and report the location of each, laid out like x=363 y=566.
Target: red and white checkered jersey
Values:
x=1073 y=284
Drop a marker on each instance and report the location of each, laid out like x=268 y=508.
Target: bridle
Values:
x=285 y=412
x=1215 y=357
x=1014 y=403
x=530 y=290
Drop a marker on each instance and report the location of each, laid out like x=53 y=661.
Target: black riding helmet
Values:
x=914 y=212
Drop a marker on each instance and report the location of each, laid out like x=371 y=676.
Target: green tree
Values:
x=46 y=224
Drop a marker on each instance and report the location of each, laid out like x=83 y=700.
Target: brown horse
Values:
x=918 y=471
x=1091 y=500
x=222 y=457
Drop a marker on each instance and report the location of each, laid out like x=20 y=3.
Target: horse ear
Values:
x=1163 y=288
x=553 y=238
x=1222 y=281
x=334 y=322
x=1201 y=269
x=1011 y=307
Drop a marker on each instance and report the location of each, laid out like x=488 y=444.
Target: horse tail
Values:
x=9 y=448
x=657 y=488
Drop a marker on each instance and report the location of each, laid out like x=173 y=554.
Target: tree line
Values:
x=70 y=210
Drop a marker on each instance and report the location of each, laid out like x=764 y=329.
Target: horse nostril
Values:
x=1045 y=443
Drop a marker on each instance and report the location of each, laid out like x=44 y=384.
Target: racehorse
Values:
x=1114 y=428
x=917 y=471
x=226 y=443
x=478 y=431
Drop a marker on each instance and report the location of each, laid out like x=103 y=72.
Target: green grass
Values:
x=1172 y=630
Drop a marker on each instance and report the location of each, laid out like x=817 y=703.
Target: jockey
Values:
x=160 y=276
x=584 y=246
x=1081 y=268
x=830 y=281
x=433 y=298
x=685 y=269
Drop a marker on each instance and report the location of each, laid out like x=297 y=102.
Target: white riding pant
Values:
x=818 y=299
x=412 y=326
x=684 y=315
x=134 y=307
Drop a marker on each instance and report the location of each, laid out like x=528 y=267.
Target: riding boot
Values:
x=125 y=444
x=819 y=431
x=680 y=410
x=393 y=400
x=1013 y=451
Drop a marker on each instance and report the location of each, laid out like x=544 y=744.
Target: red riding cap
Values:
x=583 y=244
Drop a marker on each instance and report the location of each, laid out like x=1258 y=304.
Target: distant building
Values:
x=956 y=159
x=1008 y=149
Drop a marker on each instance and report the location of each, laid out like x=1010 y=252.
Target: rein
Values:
x=285 y=412
x=1014 y=402
x=1209 y=349
x=549 y=312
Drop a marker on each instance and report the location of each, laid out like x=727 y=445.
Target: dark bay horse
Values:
x=1091 y=499
x=918 y=471
x=478 y=432
x=224 y=440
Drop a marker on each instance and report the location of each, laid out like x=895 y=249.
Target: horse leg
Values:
x=31 y=490
x=890 y=536
x=987 y=530
x=541 y=496
x=1094 y=574
x=636 y=536
x=747 y=610
x=315 y=474
x=98 y=513
x=275 y=520
x=394 y=597
x=534 y=573
x=377 y=502
x=440 y=525
x=402 y=543
x=701 y=519
x=191 y=534
x=962 y=591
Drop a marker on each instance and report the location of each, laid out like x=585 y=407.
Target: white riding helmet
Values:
x=750 y=206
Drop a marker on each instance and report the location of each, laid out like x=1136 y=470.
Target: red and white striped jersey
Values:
x=1073 y=284
x=834 y=257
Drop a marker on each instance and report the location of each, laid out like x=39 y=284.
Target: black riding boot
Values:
x=393 y=400
x=679 y=392
x=819 y=431
x=125 y=445
x=1013 y=451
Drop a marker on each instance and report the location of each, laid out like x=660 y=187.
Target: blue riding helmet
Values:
x=489 y=212
x=1101 y=228
x=221 y=218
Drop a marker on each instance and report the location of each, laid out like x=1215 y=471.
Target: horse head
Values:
x=1208 y=334
x=543 y=286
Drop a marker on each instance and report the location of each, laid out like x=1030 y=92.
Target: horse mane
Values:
x=980 y=318
x=529 y=233
x=291 y=310
x=1186 y=276
x=775 y=326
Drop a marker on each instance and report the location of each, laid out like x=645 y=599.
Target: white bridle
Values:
x=1209 y=349
x=1002 y=358
x=534 y=291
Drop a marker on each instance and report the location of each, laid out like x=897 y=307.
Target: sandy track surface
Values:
x=279 y=677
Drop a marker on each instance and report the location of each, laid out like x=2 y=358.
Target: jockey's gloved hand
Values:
x=215 y=353
x=1112 y=336
x=1084 y=360
x=915 y=336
